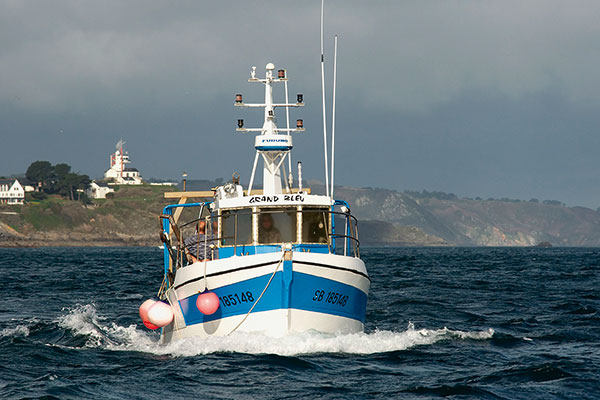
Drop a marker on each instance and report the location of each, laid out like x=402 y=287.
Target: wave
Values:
x=16 y=331
x=85 y=321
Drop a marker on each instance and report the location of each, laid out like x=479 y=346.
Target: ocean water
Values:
x=482 y=323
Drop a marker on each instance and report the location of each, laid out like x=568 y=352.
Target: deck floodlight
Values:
x=281 y=74
x=240 y=123
x=299 y=123
x=238 y=98
x=300 y=97
x=270 y=113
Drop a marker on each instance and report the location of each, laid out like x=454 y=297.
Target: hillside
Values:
x=470 y=222
x=386 y=217
x=130 y=218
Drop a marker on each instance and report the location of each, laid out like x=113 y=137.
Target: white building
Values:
x=118 y=172
x=28 y=187
x=11 y=192
x=98 y=190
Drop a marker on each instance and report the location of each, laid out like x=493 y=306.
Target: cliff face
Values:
x=382 y=233
x=498 y=223
x=386 y=217
x=479 y=222
x=399 y=210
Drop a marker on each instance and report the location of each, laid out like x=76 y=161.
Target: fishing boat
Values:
x=275 y=260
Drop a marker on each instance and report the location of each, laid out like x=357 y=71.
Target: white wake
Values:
x=85 y=321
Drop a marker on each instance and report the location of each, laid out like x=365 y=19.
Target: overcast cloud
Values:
x=490 y=99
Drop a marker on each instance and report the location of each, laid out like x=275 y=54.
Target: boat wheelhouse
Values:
x=275 y=260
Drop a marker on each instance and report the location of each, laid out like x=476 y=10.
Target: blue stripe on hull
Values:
x=296 y=290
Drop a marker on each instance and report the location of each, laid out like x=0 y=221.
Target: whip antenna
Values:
x=335 y=42
x=324 y=111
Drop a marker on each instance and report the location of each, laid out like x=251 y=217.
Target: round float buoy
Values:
x=145 y=307
x=149 y=325
x=207 y=303
x=160 y=314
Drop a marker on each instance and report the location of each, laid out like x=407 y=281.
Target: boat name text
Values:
x=275 y=199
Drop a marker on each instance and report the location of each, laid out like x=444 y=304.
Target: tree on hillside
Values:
x=70 y=183
x=553 y=203
x=57 y=179
x=40 y=171
x=61 y=170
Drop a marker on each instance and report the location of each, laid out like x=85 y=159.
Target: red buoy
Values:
x=207 y=303
x=149 y=325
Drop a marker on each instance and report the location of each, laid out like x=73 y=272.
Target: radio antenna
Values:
x=335 y=44
x=323 y=100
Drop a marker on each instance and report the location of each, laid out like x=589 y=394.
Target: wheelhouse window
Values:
x=315 y=225
x=236 y=222
x=277 y=225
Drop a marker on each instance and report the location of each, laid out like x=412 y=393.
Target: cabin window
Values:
x=244 y=227
x=277 y=226
x=315 y=225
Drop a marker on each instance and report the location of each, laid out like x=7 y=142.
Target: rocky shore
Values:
x=54 y=239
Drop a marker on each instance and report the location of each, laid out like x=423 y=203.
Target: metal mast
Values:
x=272 y=146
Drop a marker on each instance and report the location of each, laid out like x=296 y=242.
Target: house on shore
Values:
x=98 y=190
x=11 y=192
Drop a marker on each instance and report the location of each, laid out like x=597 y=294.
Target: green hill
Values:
x=386 y=217
x=129 y=217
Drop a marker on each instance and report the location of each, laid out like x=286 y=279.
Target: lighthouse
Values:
x=119 y=172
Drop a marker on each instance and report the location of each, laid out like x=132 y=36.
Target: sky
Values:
x=478 y=98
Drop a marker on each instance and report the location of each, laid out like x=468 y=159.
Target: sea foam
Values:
x=15 y=331
x=84 y=320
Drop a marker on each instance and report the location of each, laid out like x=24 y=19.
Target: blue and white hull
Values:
x=307 y=291
x=279 y=259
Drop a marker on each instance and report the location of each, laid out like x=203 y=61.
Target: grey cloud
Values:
x=479 y=98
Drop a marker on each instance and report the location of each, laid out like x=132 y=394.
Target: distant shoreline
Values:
x=386 y=218
x=24 y=243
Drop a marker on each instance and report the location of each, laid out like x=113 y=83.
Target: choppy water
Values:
x=451 y=322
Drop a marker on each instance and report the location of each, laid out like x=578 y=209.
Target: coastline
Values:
x=21 y=243
x=75 y=239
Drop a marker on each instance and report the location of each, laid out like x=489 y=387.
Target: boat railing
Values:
x=217 y=237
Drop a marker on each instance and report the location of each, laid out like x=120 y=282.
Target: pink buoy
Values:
x=160 y=314
x=149 y=325
x=144 y=309
x=207 y=303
